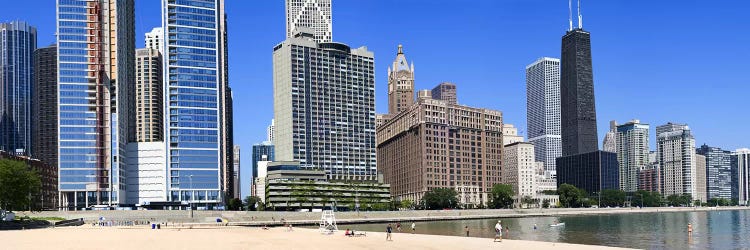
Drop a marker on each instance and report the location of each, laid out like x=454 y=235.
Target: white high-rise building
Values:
x=154 y=39
x=631 y=146
x=543 y=110
x=519 y=169
x=741 y=162
x=270 y=131
x=610 y=139
x=675 y=152
x=314 y=14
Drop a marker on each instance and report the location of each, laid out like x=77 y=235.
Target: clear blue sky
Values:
x=657 y=61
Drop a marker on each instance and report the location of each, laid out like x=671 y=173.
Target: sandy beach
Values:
x=88 y=237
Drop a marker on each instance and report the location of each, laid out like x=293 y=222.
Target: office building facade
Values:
x=155 y=39
x=648 y=178
x=510 y=134
x=436 y=144
x=577 y=102
x=592 y=172
x=149 y=107
x=445 y=91
x=400 y=83
x=718 y=172
x=675 y=153
x=313 y=14
x=44 y=106
x=543 y=110
x=610 y=139
x=324 y=106
x=18 y=42
x=519 y=169
x=700 y=178
x=741 y=162
x=632 y=148
x=236 y=171
x=262 y=152
x=270 y=132
x=195 y=85
x=95 y=78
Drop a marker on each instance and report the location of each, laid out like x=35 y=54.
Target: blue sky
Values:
x=657 y=61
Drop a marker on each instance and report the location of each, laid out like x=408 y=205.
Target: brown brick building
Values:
x=47 y=198
x=438 y=144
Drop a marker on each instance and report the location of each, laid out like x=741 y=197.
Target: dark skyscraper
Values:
x=578 y=111
x=44 y=106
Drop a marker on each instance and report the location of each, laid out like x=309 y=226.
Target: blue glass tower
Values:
x=259 y=150
x=96 y=40
x=194 y=74
x=18 y=41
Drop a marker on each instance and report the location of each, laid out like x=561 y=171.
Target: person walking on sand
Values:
x=466 y=228
x=498 y=232
x=413 y=227
x=388 y=233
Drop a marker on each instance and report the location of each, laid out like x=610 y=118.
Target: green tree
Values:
x=250 y=202
x=234 y=204
x=502 y=196
x=440 y=198
x=612 y=198
x=407 y=204
x=545 y=203
x=18 y=183
x=645 y=198
x=571 y=196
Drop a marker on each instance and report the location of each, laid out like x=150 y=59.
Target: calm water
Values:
x=711 y=230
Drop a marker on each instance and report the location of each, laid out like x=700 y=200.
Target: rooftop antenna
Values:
x=580 y=18
x=570 y=14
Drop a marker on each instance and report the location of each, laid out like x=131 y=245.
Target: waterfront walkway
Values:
x=89 y=237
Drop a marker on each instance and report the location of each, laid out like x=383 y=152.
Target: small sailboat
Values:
x=560 y=224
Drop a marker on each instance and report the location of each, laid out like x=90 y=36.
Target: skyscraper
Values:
x=324 y=106
x=195 y=122
x=236 y=171
x=314 y=14
x=543 y=110
x=18 y=42
x=445 y=91
x=262 y=152
x=44 y=106
x=400 y=84
x=741 y=162
x=149 y=95
x=675 y=152
x=96 y=53
x=631 y=145
x=718 y=172
x=270 y=132
x=226 y=105
x=700 y=178
x=610 y=139
x=155 y=39
x=578 y=105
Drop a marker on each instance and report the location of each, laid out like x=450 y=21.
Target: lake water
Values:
x=711 y=230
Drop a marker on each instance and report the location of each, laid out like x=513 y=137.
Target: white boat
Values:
x=557 y=225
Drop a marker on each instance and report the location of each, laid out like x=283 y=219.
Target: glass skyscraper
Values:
x=96 y=59
x=259 y=150
x=543 y=110
x=17 y=45
x=194 y=64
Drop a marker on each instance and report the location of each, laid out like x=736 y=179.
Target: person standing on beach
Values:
x=413 y=227
x=498 y=232
x=388 y=233
x=466 y=228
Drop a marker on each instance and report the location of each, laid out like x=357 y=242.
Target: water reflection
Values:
x=711 y=230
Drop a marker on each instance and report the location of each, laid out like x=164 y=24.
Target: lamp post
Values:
x=191 y=196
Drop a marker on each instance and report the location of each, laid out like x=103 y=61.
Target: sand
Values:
x=88 y=237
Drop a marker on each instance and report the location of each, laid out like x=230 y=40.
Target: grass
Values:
x=48 y=218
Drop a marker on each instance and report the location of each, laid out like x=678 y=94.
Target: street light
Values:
x=191 y=196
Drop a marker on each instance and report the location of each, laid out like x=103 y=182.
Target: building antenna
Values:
x=570 y=14
x=580 y=18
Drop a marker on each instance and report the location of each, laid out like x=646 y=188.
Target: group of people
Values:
x=389 y=230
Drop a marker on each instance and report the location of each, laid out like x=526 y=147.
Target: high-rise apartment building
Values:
x=718 y=172
x=741 y=162
x=96 y=75
x=519 y=169
x=610 y=139
x=631 y=145
x=236 y=171
x=324 y=106
x=197 y=89
x=149 y=107
x=17 y=45
x=445 y=91
x=262 y=152
x=578 y=105
x=675 y=153
x=700 y=178
x=436 y=144
x=44 y=107
x=155 y=39
x=543 y=110
x=648 y=178
x=313 y=14
x=270 y=131
x=400 y=84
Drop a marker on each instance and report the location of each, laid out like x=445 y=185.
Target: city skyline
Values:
x=490 y=85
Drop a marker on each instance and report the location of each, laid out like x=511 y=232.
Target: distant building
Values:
x=400 y=83
x=510 y=135
x=436 y=144
x=270 y=132
x=675 y=149
x=718 y=172
x=610 y=139
x=445 y=91
x=44 y=106
x=313 y=14
x=262 y=152
x=147 y=174
x=236 y=172
x=17 y=45
x=648 y=178
x=543 y=110
x=149 y=96
x=326 y=119
x=519 y=169
x=258 y=188
x=700 y=178
x=592 y=172
x=424 y=94
x=155 y=39
x=631 y=146
x=741 y=162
